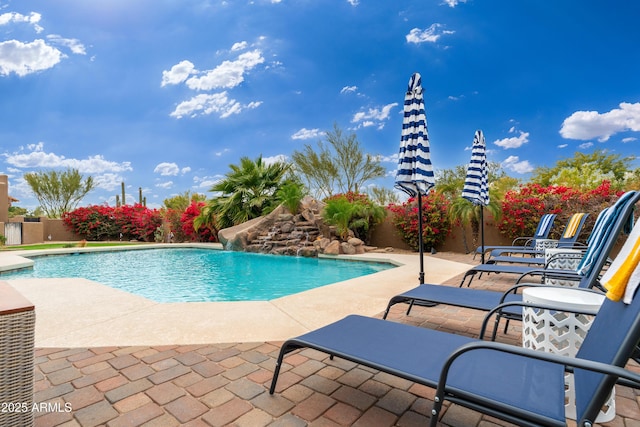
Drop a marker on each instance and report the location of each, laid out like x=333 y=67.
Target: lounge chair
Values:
x=480 y=299
x=604 y=220
x=535 y=256
x=529 y=242
x=519 y=385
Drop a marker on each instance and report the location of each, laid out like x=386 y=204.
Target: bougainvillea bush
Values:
x=202 y=234
x=102 y=222
x=173 y=219
x=522 y=208
x=435 y=220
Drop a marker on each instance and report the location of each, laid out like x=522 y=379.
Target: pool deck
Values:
x=215 y=381
x=79 y=312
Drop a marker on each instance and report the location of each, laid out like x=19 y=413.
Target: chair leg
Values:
x=469 y=274
x=276 y=371
x=495 y=326
x=437 y=407
x=506 y=325
x=410 y=306
x=386 y=312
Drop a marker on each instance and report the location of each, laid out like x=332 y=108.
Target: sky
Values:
x=164 y=95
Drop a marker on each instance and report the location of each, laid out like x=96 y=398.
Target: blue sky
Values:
x=166 y=94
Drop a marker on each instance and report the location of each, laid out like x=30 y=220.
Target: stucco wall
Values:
x=57 y=230
x=460 y=240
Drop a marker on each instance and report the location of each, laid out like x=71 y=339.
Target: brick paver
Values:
x=227 y=384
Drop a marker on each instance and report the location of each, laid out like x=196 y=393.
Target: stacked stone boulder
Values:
x=283 y=233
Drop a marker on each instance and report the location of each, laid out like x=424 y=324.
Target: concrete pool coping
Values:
x=83 y=313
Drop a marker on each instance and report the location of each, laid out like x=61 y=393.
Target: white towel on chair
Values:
x=634 y=280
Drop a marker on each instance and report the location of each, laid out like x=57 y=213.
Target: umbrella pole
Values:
x=482 y=231
x=421 y=249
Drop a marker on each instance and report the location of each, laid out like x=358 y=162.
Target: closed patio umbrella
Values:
x=415 y=172
x=476 y=184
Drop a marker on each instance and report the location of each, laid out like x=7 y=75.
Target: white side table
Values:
x=561 y=332
x=562 y=259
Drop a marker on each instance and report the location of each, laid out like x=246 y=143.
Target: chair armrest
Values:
x=551 y=273
x=499 y=309
x=526 y=240
x=570 y=363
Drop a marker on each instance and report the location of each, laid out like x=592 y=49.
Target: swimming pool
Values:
x=199 y=275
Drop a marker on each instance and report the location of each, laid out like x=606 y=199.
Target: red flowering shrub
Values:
x=173 y=218
x=101 y=222
x=202 y=234
x=522 y=208
x=435 y=221
x=94 y=222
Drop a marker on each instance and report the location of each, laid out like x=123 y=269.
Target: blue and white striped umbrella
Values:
x=415 y=172
x=476 y=184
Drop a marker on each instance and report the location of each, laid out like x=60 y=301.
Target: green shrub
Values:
x=290 y=195
x=353 y=212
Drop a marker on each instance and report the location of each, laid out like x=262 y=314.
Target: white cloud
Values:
x=26 y=58
x=374 y=114
x=305 y=133
x=353 y=2
x=349 y=89
x=108 y=181
x=283 y=158
x=585 y=145
x=38 y=158
x=629 y=139
x=513 y=142
x=392 y=159
x=584 y=125
x=73 y=44
x=167 y=169
x=205 y=104
x=220 y=153
x=12 y=17
x=454 y=3
x=165 y=185
x=513 y=163
x=229 y=74
x=206 y=182
x=431 y=34
x=563 y=145
x=178 y=73
x=185 y=169
x=239 y=46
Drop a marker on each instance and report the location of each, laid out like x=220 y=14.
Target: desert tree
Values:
x=59 y=191
x=585 y=171
x=338 y=165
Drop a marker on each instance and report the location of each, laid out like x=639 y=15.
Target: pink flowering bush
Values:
x=102 y=222
x=523 y=208
x=202 y=234
x=435 y=220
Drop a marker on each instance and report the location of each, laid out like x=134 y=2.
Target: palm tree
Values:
x=466 y=213
x=246 y=192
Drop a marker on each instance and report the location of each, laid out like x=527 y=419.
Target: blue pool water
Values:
x=184 y=274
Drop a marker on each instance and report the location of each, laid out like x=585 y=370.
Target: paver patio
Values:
x=227 y=384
